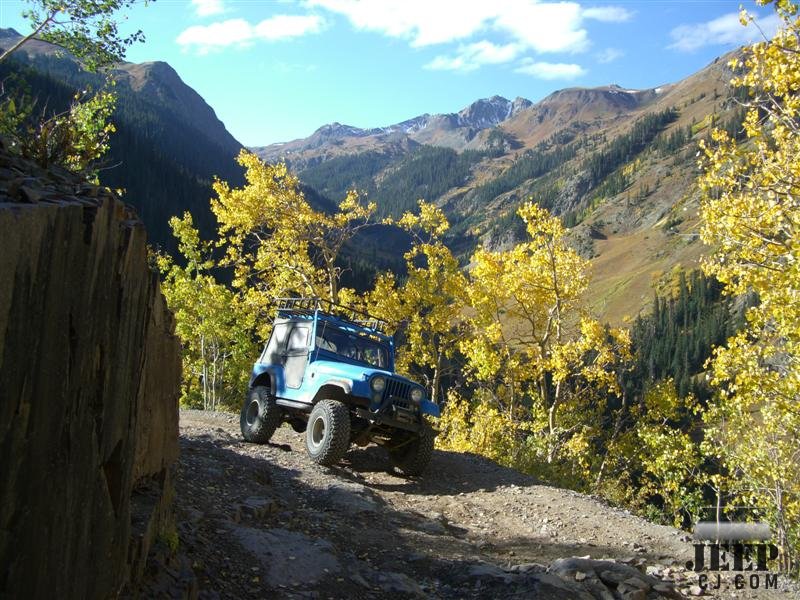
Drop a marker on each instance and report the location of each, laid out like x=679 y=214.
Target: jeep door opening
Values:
x=328 y=370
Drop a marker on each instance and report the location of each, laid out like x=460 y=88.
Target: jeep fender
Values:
x=334 y=389
x=427 y=407
x=266 y=375
x=345 y=384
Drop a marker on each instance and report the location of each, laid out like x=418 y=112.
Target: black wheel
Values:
x=328 y=432
x=260 y=415
x=412 y=456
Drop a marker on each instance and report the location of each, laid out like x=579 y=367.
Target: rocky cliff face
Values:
x=89 y=378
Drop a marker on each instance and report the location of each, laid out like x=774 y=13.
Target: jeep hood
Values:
x=352 y=370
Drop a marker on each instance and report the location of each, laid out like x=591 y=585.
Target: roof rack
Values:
x=307 y=306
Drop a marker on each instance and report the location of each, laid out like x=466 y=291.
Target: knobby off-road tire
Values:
x=260 y=415
x=413 y=457
x=328 y=432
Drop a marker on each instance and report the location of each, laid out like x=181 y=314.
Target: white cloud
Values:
x=547 y=70
x=608 y=14
x=205 y=8
x=489 y=53
x=725 y=30
x=422 y=22
x=544 y=27
x=288 y=26
x=609 y=55
x=450 y=63
x=539 y=26
x=240 y=33
x=473 y=56
x=225 y=33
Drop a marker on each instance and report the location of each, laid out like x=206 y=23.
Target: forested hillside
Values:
x=674 y=340
x=168 y=143
x=425 y=172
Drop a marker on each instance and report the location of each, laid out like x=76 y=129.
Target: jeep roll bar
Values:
x=307 y=306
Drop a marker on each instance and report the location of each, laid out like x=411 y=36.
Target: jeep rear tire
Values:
x=260 y=415
x=412 y=457
x=328 y=432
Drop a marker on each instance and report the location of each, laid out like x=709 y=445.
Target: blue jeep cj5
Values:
x=329 y=371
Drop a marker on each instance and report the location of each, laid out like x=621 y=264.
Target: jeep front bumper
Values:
x=397 y=420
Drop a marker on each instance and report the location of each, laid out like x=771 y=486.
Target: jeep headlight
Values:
x=378 y=384
x=417 y=394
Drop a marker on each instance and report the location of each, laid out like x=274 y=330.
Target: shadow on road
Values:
x=449 y=474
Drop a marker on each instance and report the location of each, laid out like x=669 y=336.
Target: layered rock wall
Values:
x=89 y=380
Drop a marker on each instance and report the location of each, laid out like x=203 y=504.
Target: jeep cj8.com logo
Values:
x=736 y=553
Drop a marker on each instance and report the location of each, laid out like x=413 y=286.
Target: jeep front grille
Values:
x=403 y=404
x=397 y=389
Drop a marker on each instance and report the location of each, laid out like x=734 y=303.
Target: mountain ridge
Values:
x=155 y=81
x=169 y=143
x=481 y=114
x=617 y=164
x=159 y=82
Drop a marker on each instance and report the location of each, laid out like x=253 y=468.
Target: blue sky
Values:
x=275 y=70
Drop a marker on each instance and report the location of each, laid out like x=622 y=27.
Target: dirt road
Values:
x=265 y=522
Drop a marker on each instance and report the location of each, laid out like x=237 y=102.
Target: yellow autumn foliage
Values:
x=751 y=218
x=532 y=345
x=277 y=244
x=428 y=307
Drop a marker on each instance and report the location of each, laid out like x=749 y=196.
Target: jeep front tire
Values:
x=260 y=415
x=328 y=432
x=412 y=457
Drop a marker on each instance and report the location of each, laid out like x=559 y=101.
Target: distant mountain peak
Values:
x=158 y=82
x=490 y=112
x=158 y=66
x=338 y=130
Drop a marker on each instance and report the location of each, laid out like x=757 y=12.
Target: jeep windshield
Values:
x=352 y=346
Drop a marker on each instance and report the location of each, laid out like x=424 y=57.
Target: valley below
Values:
x=265 y=522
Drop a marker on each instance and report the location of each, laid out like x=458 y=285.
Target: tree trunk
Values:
x=214 y=377
x=205 y=371
x=222 y=372
x=551 y=424
x=786 y=559
x=614 y=434
x=437 y=374
x=333 y=287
